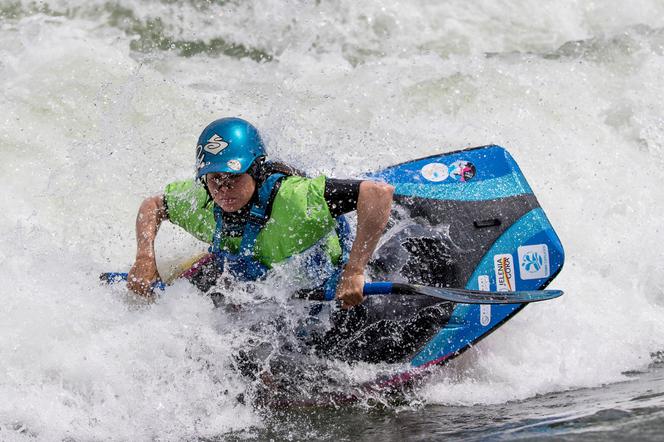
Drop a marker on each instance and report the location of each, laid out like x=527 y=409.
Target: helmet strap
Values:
x=257 y=170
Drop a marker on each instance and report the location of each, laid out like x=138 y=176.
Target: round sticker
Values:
x=234 y=165
x=435 y=172
x=462 y=170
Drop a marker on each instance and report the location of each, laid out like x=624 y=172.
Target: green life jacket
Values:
x=299 y=219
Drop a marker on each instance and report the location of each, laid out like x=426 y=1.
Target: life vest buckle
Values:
x=257 y=216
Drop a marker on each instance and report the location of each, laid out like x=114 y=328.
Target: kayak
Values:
x=461 y=220
x=464 y=219
x=472 y=221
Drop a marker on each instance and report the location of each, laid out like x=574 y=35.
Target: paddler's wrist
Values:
x=145 y=256
x=352 y=270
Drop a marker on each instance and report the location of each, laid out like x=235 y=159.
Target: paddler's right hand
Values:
x=142 y=275
x=349 y=290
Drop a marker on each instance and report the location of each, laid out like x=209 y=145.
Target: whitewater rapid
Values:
x=101 y=105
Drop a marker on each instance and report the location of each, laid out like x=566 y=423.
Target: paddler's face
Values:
x=230 y=191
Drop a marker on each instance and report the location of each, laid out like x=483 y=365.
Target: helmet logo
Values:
x=215 y=144
x=234 y=165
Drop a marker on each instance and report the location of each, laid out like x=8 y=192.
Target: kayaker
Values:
x=256 y=214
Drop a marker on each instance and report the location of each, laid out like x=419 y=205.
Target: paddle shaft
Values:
x=463 y=296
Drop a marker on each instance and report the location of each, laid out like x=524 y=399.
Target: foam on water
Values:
x=90 y=126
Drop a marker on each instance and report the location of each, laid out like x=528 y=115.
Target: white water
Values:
x=89 y=127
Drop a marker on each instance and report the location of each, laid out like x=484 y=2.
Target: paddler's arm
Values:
x=374 y=204
x=144 y=271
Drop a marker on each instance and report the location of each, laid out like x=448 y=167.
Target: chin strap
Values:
x=243 y=264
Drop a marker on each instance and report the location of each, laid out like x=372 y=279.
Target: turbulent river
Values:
x=101 y=104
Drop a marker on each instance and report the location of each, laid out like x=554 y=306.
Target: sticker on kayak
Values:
x=483 y=283
x=462 y=170
x=534 y=261
x=435 y=172
x=485 y=314
x=503 y=265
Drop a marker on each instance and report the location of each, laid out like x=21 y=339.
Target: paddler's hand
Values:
x=142 y=276
x=350 y=289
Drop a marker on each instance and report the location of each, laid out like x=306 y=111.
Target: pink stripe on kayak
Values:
x=416 y=372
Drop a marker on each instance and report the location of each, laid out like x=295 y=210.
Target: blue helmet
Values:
x=228 y=145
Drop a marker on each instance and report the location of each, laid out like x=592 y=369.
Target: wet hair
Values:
x=261 y=169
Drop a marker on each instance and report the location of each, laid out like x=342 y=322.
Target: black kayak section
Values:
x=465 y=219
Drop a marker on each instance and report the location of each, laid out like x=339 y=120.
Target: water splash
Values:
x=99 y=111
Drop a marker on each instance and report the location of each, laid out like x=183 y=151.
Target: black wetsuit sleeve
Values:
x=341 y=195
x=165 y=203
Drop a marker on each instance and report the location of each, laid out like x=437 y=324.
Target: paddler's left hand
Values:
x=350 y=289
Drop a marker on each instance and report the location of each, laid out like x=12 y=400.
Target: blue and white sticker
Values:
x=534 y=261
x=435 y=172
x=503 y=266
